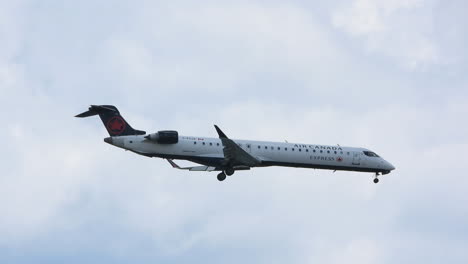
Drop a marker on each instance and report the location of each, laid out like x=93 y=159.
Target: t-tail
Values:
x=112 y=120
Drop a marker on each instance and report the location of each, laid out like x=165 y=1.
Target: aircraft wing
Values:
x=234 y=155
x=195 y=168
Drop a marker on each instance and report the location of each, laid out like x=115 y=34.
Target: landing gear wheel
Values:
x=221 y=176
x=376 y=179
x=229 y=172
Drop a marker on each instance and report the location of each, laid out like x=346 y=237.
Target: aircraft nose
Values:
x=390 y=166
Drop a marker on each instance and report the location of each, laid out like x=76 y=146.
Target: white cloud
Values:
x=363 y=251
x=400 y=29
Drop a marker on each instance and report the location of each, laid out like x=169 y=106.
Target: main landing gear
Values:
x=228 y=172
x=221 y=176
x=376 y=179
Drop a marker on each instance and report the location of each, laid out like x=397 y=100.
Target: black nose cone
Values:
x=108 y=140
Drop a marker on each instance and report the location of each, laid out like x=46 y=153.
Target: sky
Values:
x=388 y=75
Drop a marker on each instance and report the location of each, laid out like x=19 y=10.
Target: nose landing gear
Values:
x=376 y=179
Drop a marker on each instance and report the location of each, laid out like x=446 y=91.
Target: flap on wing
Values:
x=195 y=168
x=233 y=153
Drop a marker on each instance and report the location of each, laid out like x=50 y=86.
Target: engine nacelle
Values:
x=164 y=137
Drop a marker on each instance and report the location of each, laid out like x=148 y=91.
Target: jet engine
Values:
x=164 y=137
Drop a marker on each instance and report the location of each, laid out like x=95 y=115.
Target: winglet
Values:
x=220 y=133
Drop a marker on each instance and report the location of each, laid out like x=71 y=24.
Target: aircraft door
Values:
x=356 y=158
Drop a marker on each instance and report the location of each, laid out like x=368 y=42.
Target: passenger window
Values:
x=211 y=144
x=248 y=146
x=321 y=151
x=307 y=150
x=279 y=148
x=266 y=147
x=286 y=149
x=328 y=151
x=203 y=143
x=217 y=144
x=347 y=153
x=258 y=147
x=272 y=148
x=336 y=152
x=194 y=142
x=292 y=149
x=300 y=150
x=313 y=150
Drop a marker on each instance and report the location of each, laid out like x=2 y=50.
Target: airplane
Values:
x=228 y=155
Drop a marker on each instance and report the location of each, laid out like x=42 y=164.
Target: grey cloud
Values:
x=280 y=73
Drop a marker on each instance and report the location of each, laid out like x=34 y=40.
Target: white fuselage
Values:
x=209 y=151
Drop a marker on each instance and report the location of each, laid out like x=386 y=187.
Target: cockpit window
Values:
x=370 y=154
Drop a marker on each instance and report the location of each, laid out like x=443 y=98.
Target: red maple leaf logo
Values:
x=339 y=159
x=116 y=125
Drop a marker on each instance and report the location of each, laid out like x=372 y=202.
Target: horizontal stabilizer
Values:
x=96 y=109
x=87 y=113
